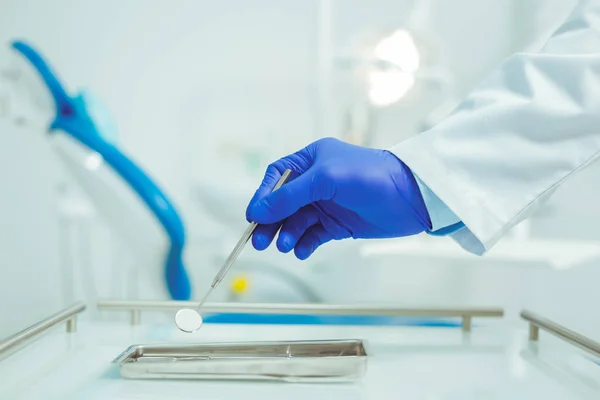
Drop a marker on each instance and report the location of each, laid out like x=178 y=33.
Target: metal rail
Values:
x=136 y=308
x=536 y=322
x=68 y=314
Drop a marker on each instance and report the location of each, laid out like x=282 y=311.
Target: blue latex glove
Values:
x=336 y=191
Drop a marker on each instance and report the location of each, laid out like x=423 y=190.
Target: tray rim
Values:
x=126 y=354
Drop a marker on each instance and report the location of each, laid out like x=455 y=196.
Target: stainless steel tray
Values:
x=312 y=361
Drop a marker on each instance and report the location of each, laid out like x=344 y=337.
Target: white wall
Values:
x=29 y=271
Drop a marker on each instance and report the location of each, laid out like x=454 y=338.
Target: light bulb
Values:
x=400 y=50
x=387 y=87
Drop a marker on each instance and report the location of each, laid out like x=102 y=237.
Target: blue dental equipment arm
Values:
x=73 y=118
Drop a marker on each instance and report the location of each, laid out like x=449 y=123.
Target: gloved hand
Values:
x=336 y=191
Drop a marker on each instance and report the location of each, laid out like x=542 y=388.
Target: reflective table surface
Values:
x=405 y=363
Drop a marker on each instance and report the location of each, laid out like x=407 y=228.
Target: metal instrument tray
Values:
x=295 y=361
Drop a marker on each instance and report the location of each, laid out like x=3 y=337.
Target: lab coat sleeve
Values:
x=528 y=127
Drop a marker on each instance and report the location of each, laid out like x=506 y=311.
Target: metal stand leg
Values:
x=136 y=317
x=72 y=325
x=466 y=323
x=534 y=332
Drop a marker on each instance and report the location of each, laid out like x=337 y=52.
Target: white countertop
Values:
x=405 y=363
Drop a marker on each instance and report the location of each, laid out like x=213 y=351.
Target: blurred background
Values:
x=204 y=94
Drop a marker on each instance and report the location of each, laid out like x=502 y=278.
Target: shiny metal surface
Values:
x=294 y=361
x=466 y=314
x=188 y=320
x=67 y=315
x=537 y=321
x=242 y=242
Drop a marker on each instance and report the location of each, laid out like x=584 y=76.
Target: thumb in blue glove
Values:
x=336 y=191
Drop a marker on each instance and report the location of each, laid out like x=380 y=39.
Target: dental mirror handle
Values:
x=188 y=319
x=245 y=238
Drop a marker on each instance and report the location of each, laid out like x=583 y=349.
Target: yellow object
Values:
x=239 y=285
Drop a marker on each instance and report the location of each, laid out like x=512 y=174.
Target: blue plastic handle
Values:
x=73 y=118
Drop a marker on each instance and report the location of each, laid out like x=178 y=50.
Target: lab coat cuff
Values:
x=443 y=220
x=482 y=228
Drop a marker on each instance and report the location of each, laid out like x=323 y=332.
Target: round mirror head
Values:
x=188 y=320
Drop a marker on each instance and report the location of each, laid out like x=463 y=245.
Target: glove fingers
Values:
x=314 y=237
x=298 y=163
x=263 y=235
x=284 y=202
x=294 y=227
x=272 y=175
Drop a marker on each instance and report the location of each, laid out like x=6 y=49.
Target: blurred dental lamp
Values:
x=381 y=70
x=384 y=68
x=392 y=74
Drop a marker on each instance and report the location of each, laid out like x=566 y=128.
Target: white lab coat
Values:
x=522 y=132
